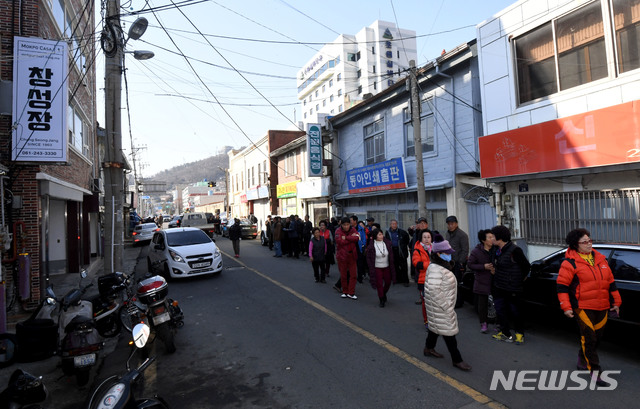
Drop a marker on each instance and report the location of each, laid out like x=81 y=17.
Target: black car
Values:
x=540 y=285
x=249 y=229
x=175 y=222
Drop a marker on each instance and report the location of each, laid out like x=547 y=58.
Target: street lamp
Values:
x=113 y=42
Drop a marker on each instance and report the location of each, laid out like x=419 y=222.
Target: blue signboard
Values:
x=385 y=175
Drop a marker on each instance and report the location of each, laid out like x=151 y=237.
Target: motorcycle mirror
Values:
x=50 y=293
x=140 y=334
x=83 y=273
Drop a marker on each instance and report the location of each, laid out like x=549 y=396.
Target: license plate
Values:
x=159 y=319
x=200 y=265
x=84 y=360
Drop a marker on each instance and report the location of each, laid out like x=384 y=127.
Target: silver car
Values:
x=182 y=252
x=144 y=232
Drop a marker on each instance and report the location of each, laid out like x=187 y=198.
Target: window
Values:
x=351 y=57
x=330 y=98
x=374 y=142
x=624 y=265
x=427 y=130
x=398 y=54
x=359 y=89
x=324 y=102
x=266 y=172
x=304 y=102
x=290 y=164
x=332 y=111
x=374 y=68
x=310 y=97
x=242 y=180
x=331 y=83
x=339 y=92
x=305 y=115
x=253 y=176
x=323 y=89
x=340 y=108
x=76 y=131
x=626 y=15
x=373 y=50
x=359 y=74
x=317 y=107
x=375 y=85
x=259 y=173
x=339 y=76
x=311 y=111
x=576 y=48
x=358 y=56
x=611 y=216
x=316 y=93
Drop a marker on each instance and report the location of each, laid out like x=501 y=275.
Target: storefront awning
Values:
x=428 y=185
x=60 y=189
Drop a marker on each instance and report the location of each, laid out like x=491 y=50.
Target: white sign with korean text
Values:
x=39 y=100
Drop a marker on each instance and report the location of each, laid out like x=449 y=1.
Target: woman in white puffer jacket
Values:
x=440 y=289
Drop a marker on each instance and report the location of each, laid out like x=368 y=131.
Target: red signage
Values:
x=243 y=199
x=606 y=136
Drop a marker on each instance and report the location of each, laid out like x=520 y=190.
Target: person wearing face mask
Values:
x=440 y=291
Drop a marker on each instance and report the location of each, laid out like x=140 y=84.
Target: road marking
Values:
x=466 y=389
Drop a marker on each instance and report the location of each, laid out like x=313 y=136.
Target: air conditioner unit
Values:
x=97 y=185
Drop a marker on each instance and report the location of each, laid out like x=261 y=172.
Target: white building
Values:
x=560 y=84
x=350 y=68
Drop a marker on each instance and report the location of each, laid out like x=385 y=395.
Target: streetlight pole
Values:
x=113 y=43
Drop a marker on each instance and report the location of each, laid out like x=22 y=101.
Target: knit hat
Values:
x=442 y=247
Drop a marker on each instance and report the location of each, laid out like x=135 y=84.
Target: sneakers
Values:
x=501 y=337
x=483 y=327
x=343 y=296
x=352 y=296
x=519 y=338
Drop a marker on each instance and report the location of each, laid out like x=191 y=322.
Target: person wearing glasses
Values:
x=587 y=292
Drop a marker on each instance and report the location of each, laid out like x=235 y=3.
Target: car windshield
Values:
x=187 y=238
x=246 y=222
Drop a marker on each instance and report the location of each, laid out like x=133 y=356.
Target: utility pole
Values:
x=417 y=140
x=113 y=164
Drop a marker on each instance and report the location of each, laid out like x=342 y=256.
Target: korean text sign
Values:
x=314 y=149
x=385 y=175
x=39 y=100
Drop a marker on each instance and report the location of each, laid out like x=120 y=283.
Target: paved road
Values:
x=264 y=334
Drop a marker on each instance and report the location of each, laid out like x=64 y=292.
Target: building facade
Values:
x=560 y=87
x=53 y=211
x=375 y=165
x=353 y=67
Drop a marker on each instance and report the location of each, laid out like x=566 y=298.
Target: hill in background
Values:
x=195 y=171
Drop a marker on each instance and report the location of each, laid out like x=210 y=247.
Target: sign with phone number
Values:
x=385 y=175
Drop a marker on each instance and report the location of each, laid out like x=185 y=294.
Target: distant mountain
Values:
x=197 y=171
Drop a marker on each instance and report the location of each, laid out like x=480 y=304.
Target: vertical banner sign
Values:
x=314 y=149
x=39 y=100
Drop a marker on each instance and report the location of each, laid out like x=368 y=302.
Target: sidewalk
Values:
x=63 y=391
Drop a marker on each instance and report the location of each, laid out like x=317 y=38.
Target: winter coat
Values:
x=403 y=241
x=440 y=290
x=587 y=287
x=276 y=230
x=346 y=244
x=420 y=260
x=370 y=254
x=362 y=242
x=307 y=229
x=483 y=277
x=512 y=267
x=459 y=241
x=330 y=258
x=235 y=231
x=317 y=249
x=292 y=229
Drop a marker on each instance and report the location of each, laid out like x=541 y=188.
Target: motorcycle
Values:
x=118 y=392
x=150 y=304
x=24 y=391
x=106 y=305
x=79 y=341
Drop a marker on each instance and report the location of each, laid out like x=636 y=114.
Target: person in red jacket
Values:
x=587 y=292
x=347 y=238
x=420 y=260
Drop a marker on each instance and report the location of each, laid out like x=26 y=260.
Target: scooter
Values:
x=79 y=341
x=150 y=304
x=118 y=392
x=24 y=391
x=106 y=304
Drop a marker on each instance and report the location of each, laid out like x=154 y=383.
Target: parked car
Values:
x=540 y=285
x=143 y=232
x=166 y=218
x=199 y=220
x=264 y=239
x=249 y=230
x=183 y=252
x=134 y=220
x=175 y=222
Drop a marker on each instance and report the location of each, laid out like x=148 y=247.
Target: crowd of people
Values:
x=436 y=264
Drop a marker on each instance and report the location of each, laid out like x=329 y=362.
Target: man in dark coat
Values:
x=307 y=228
x=400 y=247
x=294 y=238
x=459 y=241
x=269 y=237
x=276 y=232
x=235 y=233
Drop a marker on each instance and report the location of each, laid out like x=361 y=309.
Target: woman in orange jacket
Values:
x=420 y=260
x=587 y=292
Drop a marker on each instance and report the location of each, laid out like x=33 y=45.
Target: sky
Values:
x=185 y=111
